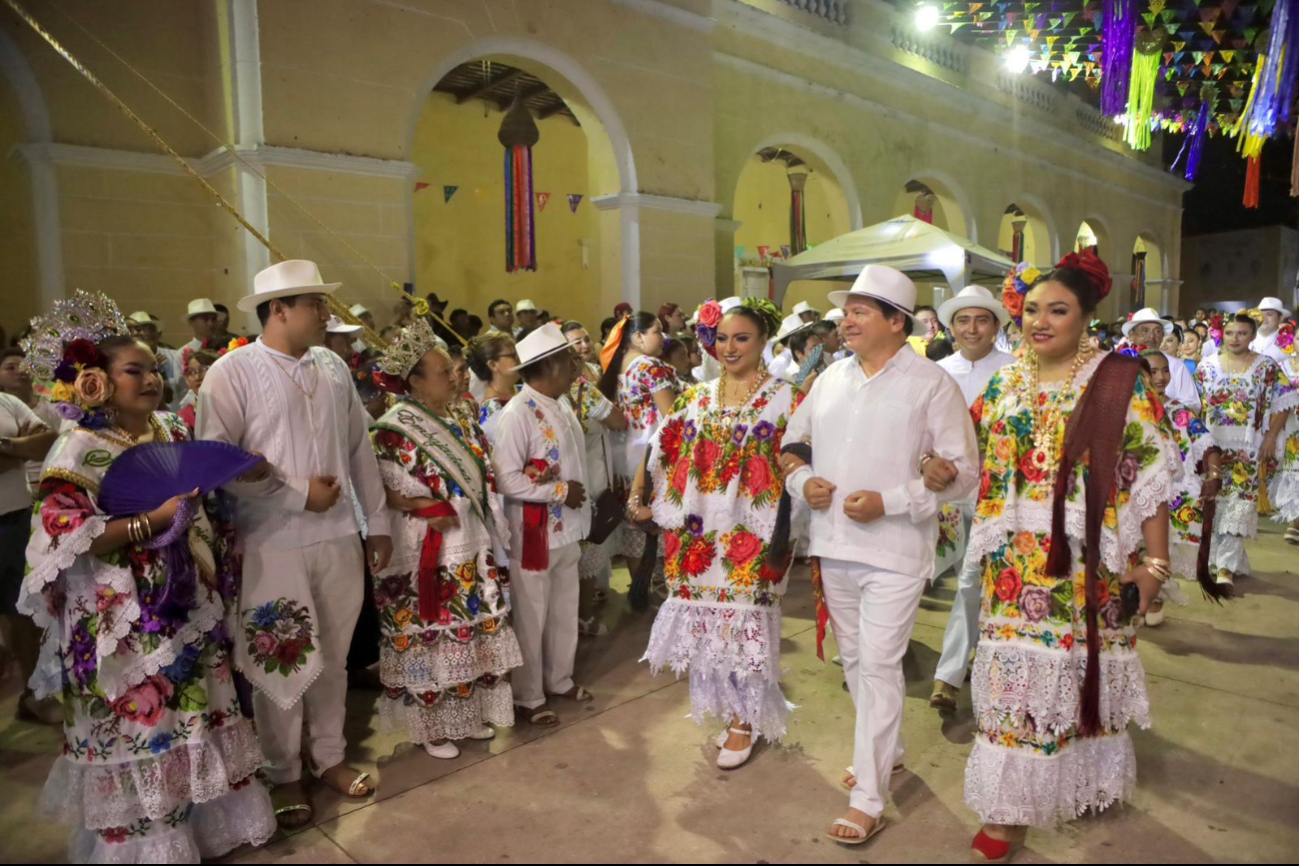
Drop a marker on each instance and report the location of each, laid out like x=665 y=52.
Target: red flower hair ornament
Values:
x=1092 y=267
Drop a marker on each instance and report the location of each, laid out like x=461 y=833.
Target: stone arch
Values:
x=957 y=205
x=829 y=160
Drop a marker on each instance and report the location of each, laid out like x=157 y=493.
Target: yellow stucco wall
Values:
x=17 y=233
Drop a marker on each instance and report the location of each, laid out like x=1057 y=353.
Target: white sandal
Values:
x=445 y=752
x=863 y=836
x=729 y=759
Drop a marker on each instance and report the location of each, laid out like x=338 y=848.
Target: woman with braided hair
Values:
x=714 y=487
x=1057 y=678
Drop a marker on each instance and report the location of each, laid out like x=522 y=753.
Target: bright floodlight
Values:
x=927 y=17
x=1017 y=58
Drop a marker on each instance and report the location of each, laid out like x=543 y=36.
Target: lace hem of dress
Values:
x=1033 y=687
x=101 y=796
x=1184 y=558
x=397 y=478
x=1145 y=498
x=1236 y=517
x=452 y=717
x=214 y=829
x=1283 y=493
x=449 y=663
x=1005 y=785
x=733 y=656
x=1235 y=437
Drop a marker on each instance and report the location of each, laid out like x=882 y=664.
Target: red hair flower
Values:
x=1092 y=267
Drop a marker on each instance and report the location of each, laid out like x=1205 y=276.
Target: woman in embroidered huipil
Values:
x=1198 y=482
x=1039 y=756
x=715 y=487
x=1283 y=489
x=158 y=758
x=1247 y=400
x=443 y=602
x=644 y=387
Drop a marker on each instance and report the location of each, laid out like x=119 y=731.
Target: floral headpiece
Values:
x=1215 y=330
x=62 y=347
x=1090 y=265
x=405 y=353
x=707 y=318
x=1285 y=338
x=1020 y=279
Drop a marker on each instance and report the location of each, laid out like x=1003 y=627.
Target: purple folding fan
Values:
x=146 y=476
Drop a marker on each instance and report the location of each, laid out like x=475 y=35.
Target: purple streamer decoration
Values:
x=1118 y=40
x=1275 y=94
x=1196 y=140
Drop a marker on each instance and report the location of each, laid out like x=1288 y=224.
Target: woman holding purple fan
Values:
x=158 y=758
x=714 y=488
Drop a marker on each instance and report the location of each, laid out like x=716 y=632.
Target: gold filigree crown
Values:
x=412 y=344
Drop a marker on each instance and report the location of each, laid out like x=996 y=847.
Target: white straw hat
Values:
x=524 y=306
x=1143 y=316
x=972 y=296
x=337 y=326
x=804 y=307
x=883 y=284
x=1273 y=304
x=790 y=326
x=141 y=317
x=358 y=310
x=835 y=315
x=540 y=344
x=200 y=307
x=284 y=280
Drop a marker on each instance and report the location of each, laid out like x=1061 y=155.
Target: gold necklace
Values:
x=1047 y=414
x=310 y=395
x=759 y=379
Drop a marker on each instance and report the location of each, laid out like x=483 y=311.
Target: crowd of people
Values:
x=438 y=517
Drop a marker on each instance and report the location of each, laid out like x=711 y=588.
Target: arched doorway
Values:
x=584 y=177
x=1024 y=236
x=787 y=199
x=937 y=200
x=1148 y=285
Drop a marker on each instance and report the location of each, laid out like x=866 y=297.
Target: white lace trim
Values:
x=242 y=817
x=726 y=509
x=117 y=682
x=452 y=717
x=733 y=655
x=1147 y=495
x=51 y=563
x=101 y=796
x=397 y=478
x=1027 y=686
x=1019 y=787
x=1283 y=493
x=1236 y=517
x=1184 y=558
x=1236 y=437
x=449 y=663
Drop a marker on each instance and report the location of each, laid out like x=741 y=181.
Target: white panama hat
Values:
x=540 y=344
x=1144 y=316
x=337 y=326
x=790 y=326
x=1274 y=305
x=972 y=296
x=201 y=307
x=284 y=280
x=883 y=284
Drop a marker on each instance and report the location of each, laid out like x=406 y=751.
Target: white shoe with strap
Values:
x=728 y=759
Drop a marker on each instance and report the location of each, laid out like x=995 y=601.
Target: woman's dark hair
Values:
x=939 y=348
x=204 y=357
x=1082 y=286
x=1245 y=320
x=110 y=347
x=485 y=349
x=571 y=325
x=605 y=327
x=665 y=311
x=1177 y=332
x=637 y=323
x=759 y=321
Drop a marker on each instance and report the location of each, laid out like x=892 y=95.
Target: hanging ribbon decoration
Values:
x=797 y=213
x=1120 y=33
x=1141 y=88
x=1251 y=182
x=420 y=306
x=1272 y=95
x=1195 y=140
x=518 y=135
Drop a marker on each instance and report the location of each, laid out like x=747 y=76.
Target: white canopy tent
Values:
x=922 y=251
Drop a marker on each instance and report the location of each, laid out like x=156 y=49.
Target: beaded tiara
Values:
x=84 y=316
x=412 y=344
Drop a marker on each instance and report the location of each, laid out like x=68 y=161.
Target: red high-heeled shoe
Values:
x=985 y=849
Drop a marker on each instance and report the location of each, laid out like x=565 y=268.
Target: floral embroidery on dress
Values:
x=643 y=378
x=279 y=636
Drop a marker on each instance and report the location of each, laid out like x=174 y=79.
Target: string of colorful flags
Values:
x=542 y=198
x=1202 y=68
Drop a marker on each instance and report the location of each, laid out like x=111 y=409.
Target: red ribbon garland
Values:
x=430 y=595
